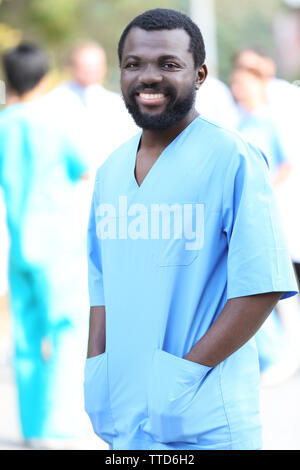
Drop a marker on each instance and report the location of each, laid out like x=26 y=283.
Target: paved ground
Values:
x=10 y=436
x=280 y=406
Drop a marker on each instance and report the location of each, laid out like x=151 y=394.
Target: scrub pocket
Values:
x=186 y=238
x=185 y=402
x=174 y=253
x=96 y=397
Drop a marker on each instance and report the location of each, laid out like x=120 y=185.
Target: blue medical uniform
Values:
x=162 y=291
x=260 y=130
x=38 y=171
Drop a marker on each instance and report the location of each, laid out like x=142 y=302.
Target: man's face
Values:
x=245 y=86
x=88 y=66
x=158 y=77
x=250 y=60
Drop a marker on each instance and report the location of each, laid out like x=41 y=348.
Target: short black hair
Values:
x=163 y=18
x=24 y=66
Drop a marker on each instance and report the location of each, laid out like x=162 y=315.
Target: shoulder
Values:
x=216 y=136
x=100 y=93
x=13 y=115
x=61 y=89
x=227 y=145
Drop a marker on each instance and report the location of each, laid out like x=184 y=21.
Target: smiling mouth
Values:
x=151 y=98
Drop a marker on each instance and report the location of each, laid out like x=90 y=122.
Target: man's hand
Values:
x=237 y=323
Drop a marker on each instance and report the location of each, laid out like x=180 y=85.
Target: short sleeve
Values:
x=279 y=153
x=95 y=275
x=258 y=258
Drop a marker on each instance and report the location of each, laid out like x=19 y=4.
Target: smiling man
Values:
x=172 y=363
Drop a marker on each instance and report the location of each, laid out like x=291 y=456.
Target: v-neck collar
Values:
x=158 y=161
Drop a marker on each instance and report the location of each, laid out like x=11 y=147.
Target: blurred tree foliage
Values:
x=57 y=24
x=110 y=17
x=240 y=24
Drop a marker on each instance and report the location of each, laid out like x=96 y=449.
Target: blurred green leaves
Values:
x=57 y=24
x=245 y=23
x=55 y=20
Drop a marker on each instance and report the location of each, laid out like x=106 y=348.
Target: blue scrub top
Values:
x=39 y=165
x=164 y=280
x=259 y=128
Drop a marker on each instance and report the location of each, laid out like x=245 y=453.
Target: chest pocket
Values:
x=181 y=233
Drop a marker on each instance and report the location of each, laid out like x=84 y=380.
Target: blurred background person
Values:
x=255 y=122
x=283 y=100
x=4 y=246
x=39 y=169
x=98 y=114
x=95 y=116
x=280 y=94
x=214 y=101
x=5 y=342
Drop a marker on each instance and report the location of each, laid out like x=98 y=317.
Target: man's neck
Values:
x=31 y=95
x=37 y=92
x=162 y=138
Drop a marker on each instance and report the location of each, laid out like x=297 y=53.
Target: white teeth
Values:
x=151 y=96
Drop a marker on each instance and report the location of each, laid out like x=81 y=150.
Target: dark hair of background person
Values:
x=24 y=67
x=255 y=48
x=162 y=18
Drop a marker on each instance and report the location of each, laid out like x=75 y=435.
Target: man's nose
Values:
x=150 y=74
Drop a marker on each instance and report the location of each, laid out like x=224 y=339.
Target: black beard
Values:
x=174 y=113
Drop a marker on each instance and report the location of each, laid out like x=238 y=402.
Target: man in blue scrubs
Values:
x=39 y=170
x=186 y=260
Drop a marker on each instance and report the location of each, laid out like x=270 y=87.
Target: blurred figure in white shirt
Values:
x=214 y=102
x=97 y=116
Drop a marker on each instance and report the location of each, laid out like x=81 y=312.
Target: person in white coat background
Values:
x=96 y=117
x=97 y=114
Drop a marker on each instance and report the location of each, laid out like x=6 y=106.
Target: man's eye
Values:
x=131 y=65
x=169 y=65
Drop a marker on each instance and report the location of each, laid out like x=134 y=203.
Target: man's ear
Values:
x=201 y=75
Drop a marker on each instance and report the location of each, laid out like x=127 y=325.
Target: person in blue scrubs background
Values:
x=256 y=124
x=39 y=170
x=255 y=121
x=186 y=260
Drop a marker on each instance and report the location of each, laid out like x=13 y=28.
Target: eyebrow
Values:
x=163 y=57
x=131 y=57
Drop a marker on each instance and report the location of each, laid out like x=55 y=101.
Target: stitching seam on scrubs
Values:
x=275 y=238
x=225 y=186
x=224 y=407
x=110 y=407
